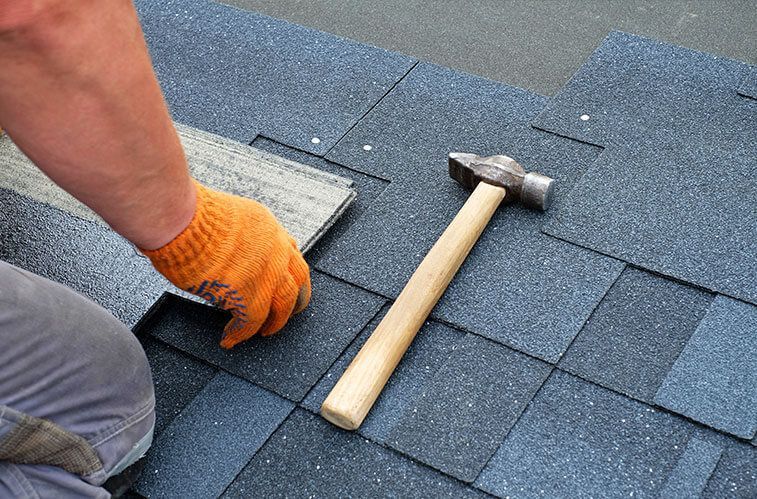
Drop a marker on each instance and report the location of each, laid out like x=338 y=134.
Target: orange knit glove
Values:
x=238 y=257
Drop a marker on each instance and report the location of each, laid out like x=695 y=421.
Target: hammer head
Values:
x=532 y=189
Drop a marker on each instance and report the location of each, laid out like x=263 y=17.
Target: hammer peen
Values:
x=493 y=179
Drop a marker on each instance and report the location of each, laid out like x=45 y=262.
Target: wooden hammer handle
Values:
x=362 y=382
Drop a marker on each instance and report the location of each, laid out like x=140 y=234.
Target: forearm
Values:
x=78 y=95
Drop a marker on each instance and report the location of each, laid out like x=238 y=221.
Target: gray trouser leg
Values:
x=65 y=360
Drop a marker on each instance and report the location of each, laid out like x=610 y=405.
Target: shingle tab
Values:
x=464 y=413
x=519 y=286
x=288 y=363
x=636 y=333
x=213 y=438
x=177 y=378
x=84 y=255
x=368 y=188
x=577 y=439
x=238 y=73
x=735 y=475
x=426 y=355
x=690 y=475
x=330 y=462
x=674 y=190
x=748 y=85
x=715 y=378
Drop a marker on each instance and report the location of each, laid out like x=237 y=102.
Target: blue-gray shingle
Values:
x=288 y=363
x=577 y=439
x=518 y=286
x=674 y=190
x=426 y=355
x=693 y=469
x=308 y=457
x=208 y=444
x=636 y=333
x=714 y=380
x=238 y=73
x=463 y=414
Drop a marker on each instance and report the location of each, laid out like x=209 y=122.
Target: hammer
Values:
x=493 y=179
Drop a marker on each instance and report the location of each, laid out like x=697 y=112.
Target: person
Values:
x=79 y=97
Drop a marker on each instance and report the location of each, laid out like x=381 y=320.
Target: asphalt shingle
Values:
x=309 y=457
x=428 y=352
x=464 y=413
x=736 y=473
x=238 y=74
x=577 y=439
x=636 y=333
x=368 y=188
x=748 y=85
x=205 y=447
x=714 y=380
x=288 y=363
x=674 y=191
x=519 y=287
x=82 y=254
x=177 y=379
x=694 y=468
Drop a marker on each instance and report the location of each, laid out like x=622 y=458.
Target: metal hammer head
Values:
x=532 y=189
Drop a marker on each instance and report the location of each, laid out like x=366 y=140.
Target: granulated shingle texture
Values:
x=576 y=439
x=238 y=74
x=308 y=457
x=715 y=378
x=462 y=415
x=426 y=355
x=636 y=333
x=694 y=468
x=736 y=473
x=84 y=255
x=288 y=363
x=213 y=438
x=748 y=85
x=518 y=286
x=305 y=200
x=177 y=378
x=368 y=188
x=674 y=191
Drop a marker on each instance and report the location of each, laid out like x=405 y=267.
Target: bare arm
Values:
x=78 y=95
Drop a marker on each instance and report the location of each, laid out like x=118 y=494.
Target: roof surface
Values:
x=605 y=348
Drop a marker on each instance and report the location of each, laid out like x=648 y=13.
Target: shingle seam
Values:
x=520 y=415
x=378 y=101
x=345 y=281
x=303 y=151
x=400 y=453
x=655 y=272
x=656 y=407
x=262 y=446
x=346 y=348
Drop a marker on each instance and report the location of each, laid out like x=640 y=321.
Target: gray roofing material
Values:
x=748 y=85
x=636 y=333
x=368 y=188
x=715 y=378
x=674 y=191
x=735 y=474
x=689 y=477
x=309 y=457
x=288 y=364
x=307 y=201
x=238 y=74
x=577 y=439
x=84 y=255
x=465 y=411
x=519 y=287
x=427 y=354
x=187 y=460
x=177 y=378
